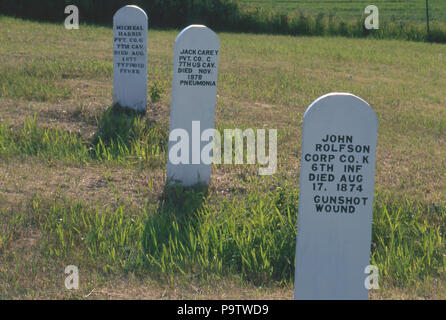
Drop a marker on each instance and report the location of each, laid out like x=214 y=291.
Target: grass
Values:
x=409 y=10
x=120 y=138
x=206 y=240
x=397 y=19
x=44 y=143
x=83 y=183
x=252 y=238
x=37 y=80
x=408 y=241
x=122 y=135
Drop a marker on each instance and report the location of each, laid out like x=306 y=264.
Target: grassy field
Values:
x=408 y=10
x=81 y=184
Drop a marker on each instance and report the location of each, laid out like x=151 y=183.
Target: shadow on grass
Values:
x=123 y=132
x=171 y=228
x=118 y=123
x=182 y=201
x=178 y=204
x=252 y=238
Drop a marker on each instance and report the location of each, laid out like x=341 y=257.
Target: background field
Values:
x=406 y=10
x=72 y=191
x=398 y=19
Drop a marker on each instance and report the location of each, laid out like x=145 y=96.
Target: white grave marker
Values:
x=192 y=111
x=336 y=198
x=130 y=25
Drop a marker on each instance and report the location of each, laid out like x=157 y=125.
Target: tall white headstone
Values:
x=130 y=25
x=336 y=198
x=192 y=111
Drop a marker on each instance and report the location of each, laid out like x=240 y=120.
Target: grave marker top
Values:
x=336 y=198
x=130 y=57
